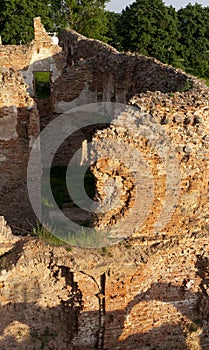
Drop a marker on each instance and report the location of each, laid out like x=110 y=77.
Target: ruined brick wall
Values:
x=19 y=127
x=147 y=292
x=127 y=297
x=97 y=72
x=40 y=55
x=164 y=139
x=181 y=117
x=19 y=119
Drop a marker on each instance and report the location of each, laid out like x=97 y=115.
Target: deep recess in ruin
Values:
x=148 y=292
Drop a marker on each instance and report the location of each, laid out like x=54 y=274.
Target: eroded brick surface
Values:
x=149 y=292
x=61 y=298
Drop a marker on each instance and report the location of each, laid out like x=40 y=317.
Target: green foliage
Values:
x=150 y=28
x=81 y=235
x=59 y=186
x=43 y=77
x=16 y=19
x=180 y=38
x=89 y=239
x=193 y=25
x=47 y=237
x=113 y=25
x=187 y=86
x=85 y=16
x=206 y=80
x=105 y=251
x=42 y=83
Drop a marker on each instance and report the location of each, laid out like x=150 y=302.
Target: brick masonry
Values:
x=40 y=55
x=104 y=74
x=19 y=125
x=149 y=291
x=130 y=297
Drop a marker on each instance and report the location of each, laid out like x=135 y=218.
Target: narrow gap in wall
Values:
x=89 y=183
x=101 y=297
x=103 y=282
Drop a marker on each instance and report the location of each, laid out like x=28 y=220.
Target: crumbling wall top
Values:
x=79 y=46
x=40 y=34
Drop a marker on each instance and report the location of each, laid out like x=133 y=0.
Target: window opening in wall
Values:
x=42 y=84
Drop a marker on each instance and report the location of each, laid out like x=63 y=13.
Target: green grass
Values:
x=58 y=185
x=82 y=238
x=199 y=76
x=193 y=72
x=187 y=86
x=43 y=77
x=42 y=84
x=62 y=199
x=89 y=239
x=48 y=238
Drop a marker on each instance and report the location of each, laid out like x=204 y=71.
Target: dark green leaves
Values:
x=86 y=17
x=151 y=28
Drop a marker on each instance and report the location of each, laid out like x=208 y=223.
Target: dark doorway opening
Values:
x=42 y=82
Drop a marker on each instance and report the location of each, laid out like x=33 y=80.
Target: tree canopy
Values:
x=194 y=28
x=151 y=28
x=180 y=38
x=85 y=16
x=16 y=19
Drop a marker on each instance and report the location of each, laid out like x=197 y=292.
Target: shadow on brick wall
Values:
x=19 y=126
x=58 y=328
